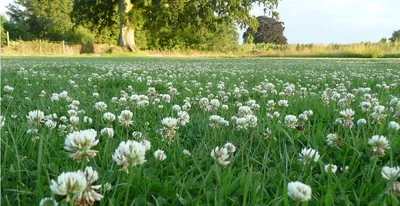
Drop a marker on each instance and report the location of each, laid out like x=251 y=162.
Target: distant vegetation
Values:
x=136 y=24
x=269 y=30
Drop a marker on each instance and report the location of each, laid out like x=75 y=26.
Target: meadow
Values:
x=154 y=131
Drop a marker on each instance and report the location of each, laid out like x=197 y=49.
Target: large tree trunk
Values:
x=126 y=34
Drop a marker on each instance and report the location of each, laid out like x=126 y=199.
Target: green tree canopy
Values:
x=395 y=36
x=269 y=31
x=168 y=23
x=47 y=19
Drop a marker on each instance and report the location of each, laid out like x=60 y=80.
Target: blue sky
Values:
x=331 y=21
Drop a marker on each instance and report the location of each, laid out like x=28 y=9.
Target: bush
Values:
x=83 y=36
x=3 y=40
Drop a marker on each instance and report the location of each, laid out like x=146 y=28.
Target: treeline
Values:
x=136 y=24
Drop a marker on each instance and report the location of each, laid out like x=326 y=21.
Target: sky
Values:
x=330 y=21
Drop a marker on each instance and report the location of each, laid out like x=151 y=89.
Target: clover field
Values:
x=152 y=131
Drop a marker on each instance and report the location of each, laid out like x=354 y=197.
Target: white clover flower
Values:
x=186 y=152
x=166 y=98
x=394 y=126
x=230 y=147
x=160 y=155
x=291 y=121
x=8 y=89
x=95 y=94
x=107 y=132
x=89 y=196
x=35 y=118
x=270 y=105
x=379 y=145
x=244 y=110
x=203 y=102
x=32 y=131
x=55 y=97
x=251 y=120
x=147 y=144
x=220 y=155
x=72 y=113
x=137 y=135
x=308 y=155
x=303 y=117
x=107 y=186
x=183 y=118
x=361 y=122
x=169 y=122
x=378 y=114
x=390 y=173
x=74 y=120
x=35 y=138
x=168 y=132
x=108 y=116
x=101 y=106
x=125 y=118
x=48 y=201
x=224 y=107
x=216 y=121
x=186 y=106
x=91 y=175
x=75 y=102
x=241 y=123
x=129 y=153
x=63 y=95
x=330 y=167
x=87 y=120
x=347 y=115
x=151 y=91
x=395 y=188
x=333 y=140
x=214 y=104
x=283 y=103
x=64 y=119
x=69 y=184
x=50 y=124
x=80 y=143
x=299 y=192
x=176 y=107
x=309 y=113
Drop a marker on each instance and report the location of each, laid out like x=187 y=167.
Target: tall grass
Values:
x=356 y=50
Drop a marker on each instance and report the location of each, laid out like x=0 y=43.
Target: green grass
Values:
x=259 y=170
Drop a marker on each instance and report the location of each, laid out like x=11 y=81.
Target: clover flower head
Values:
x=160 y=155
x=299 y=192
x=308 y=155
x=129 y=153
x=80 y=143
x=379 y=144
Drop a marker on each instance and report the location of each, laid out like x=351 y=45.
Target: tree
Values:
x=48 y=19
x=395 y=36
x=165 y=17
x=3 y=34
x=269 y=31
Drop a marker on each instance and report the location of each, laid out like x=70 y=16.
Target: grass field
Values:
x=147 y=131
